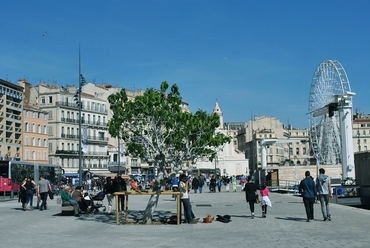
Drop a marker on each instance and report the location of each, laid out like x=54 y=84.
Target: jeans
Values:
x=308 y=204
x=200 y=189
x=324 y=199
x=187 y=210
x=44 y=197
x=29 y=197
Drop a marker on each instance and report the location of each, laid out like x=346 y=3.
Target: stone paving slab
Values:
x=285 y=225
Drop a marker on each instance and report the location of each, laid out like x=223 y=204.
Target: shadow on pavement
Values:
x=291 y=218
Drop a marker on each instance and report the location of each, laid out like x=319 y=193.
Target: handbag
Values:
x=51 y=195
x=258 y=199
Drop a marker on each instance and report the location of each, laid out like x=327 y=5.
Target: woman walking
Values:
x=29 y=187
x=250 y=194
x=265 y=200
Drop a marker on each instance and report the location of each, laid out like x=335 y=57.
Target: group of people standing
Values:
x=29 y=188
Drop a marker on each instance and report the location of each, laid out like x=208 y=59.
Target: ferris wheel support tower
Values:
x=345 y=122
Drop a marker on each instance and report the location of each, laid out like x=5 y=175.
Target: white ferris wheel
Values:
x=330 y=117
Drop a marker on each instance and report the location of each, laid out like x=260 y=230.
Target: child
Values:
x=265 y=200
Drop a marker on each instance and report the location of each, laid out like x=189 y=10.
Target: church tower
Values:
x=218 y=111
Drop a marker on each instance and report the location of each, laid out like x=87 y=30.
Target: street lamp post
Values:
x=81 y=82
x=77 y=98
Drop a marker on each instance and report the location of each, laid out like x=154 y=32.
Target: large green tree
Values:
x=155 y=127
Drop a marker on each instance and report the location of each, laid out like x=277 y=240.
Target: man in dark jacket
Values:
x=119 y=185
x=307 y=188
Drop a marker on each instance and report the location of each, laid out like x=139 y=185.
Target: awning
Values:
x=103 y=174
x=107 y=174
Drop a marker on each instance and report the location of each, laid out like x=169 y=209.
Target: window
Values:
x=45 y=130
x=50 y=99
x=27 y=155
x=27 y=127
x=297 y=151
x=27 y=141
x=33 y=155
x=50 y=131
x=39 y=155
x=33 y=141
x=45 y=143
x=365 y=141
x=39 y=128
x=27 y=113
x=43 y=100
x=39 y=142
x=33 y=127
x=50 y=115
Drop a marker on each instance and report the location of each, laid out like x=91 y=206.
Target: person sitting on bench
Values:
x=78 y=197
x=68 y=201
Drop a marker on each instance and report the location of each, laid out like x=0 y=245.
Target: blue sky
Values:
x=254 y=57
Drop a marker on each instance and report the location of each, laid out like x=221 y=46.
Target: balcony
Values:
x=67 y=152
x=67 y=104
x=68 y=120
x=97 y=138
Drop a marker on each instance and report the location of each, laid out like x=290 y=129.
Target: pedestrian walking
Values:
x=323 y=187
x=233 y=180
x=195 y=184
x=29 y=187
x=250 y=194
x=265 y=199
x=307 y=188
x=42 y=189
x=201 y=181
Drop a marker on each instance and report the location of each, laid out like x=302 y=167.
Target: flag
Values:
x=84 y=138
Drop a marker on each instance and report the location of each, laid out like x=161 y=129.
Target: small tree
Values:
x=155 y=127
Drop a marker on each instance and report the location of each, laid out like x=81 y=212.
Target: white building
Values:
x=230 y=160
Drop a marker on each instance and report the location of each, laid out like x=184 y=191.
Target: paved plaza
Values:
x=285 y=225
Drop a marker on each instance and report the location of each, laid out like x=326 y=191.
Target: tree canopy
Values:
x=155 y=127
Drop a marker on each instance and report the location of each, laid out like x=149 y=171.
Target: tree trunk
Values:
x=150 y=208
x=153 y=201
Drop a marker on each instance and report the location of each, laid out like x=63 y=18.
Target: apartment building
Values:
x=63 y=130
x=361 y=132
x=11 y=107
x=35 y=135
x=278 y=154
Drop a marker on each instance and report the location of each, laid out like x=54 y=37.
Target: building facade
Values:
x=361 y=132
x=63 y=131
x=278 y=154
x=35 y=135
x=11 y=107
x=230 y=160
